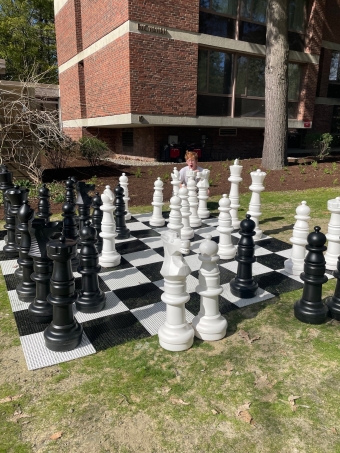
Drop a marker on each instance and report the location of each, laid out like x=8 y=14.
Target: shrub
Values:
x=320 y=143
x=60 y=150
x=92 y=149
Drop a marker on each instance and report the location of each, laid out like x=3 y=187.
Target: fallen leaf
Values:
x=255 y=339
x=18 y=415
x=178 y=401
x=11 y=398
x=291 y=400
x=56 y=435
x=214 y=411
x=244 y=407
x=334 y=431
x=262 y=382
x=246 y=417
x=243 y=334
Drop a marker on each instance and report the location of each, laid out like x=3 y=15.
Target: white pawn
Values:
x=175 y=181
x=203 y=190
x=195 y=221
x=257 y=178
x=333 y=234
x=226 y=249
x=157 y=218
x=186 y=232
x=235 y=179
x=295 y=264
x=175 y=216
x=209 y=324
x=124 y=182
x=176 y=334
x=109 y=256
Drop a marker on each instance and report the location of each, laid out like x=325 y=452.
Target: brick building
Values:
x=140 y=74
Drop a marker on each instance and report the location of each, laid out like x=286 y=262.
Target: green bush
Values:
x=92 y=149
x=320 y=143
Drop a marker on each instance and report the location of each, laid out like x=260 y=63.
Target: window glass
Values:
x=335 y=126
x=334 y=74
x=204 y=3
x=219 y=73
x=241 y=78
x=211 y=24
x=254 y=10
x=255 y=85
x=254 y=33
x=224 y=6
x=249 y=107
x=213 y=105
x=294 y=77
x=202 y=70
x=297 y=15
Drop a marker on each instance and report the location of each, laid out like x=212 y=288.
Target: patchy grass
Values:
x=272 y=385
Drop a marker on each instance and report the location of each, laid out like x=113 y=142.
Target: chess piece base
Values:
x=110 y=259
x=26 y=292
x=333 y=304
x=90 y=303
x=310 y=312
x=209 y=328
x=294 y=268
x=243 y=289
x=10 y=251
x=63 y=338
x=40 y=311
x=176 y=338
x=157 y=222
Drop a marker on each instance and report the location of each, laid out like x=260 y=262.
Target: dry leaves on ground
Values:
x=262 y=382
x=56 y=435
x=178 y=401
x=245 y=335
x=244 y=414
x=18 y=414
x=291 y=401
x=11 y=398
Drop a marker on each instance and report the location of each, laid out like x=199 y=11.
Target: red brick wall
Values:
x=181 y=14
x=70 y=94
x=163 y=75
x=315 y=24
x=74 y=132
x=308 y=91
x=65 y=27
x=100 y=17
x=331 y=25
x=322 y=118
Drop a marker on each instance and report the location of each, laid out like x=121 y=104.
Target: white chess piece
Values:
x=295 y=264
x=175 y=216
x=203 y=190
x=176 y=334
x=124 y=182
x=186 y=232
x=235 y=179
x=109 y=256
x=195 y=221
x=226 y=249
x=175 y=181
x=257 y=178
x=209 y=324
x=157 y=218
x=333 y=234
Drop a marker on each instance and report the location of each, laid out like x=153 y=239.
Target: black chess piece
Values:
x=122 y=231
x=333 y=302
x=64 y=333
x=26 y=289
x=16 y=196
x=44 y=204
x=91 y=298
x=84 y=202
x=70 y=230
x=310 y=308
x=6 y=182
x=40 y=310
x=97 y=217
x=70 y=190
x=244 y=285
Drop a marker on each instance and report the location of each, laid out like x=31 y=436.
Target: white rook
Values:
x=235 y=179
x=295 y=264
x=109 y=256
x=333 y=234
x=257 y=178
x=124 y=182
x=203 y=190
x=209 y=324
x=157 y=218
x=226 y=249
x=186 y=232
x=176 y=334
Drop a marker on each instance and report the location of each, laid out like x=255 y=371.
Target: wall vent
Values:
x=228 y=131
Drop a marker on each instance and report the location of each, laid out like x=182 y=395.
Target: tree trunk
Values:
x=276 y=86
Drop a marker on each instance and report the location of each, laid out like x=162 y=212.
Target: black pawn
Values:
x=10 y=249
x=26 y=289
x=64 y=333
x=310 y=308
x=84 y=202
x=70 y=190
x=243 y=285
x=91 y=299
x=40 y=310
x=333 y=302
x=16 y=196
x=6 y=182
x=121 y=230
x=44 y=204
x=70 y=230
x=97 y=217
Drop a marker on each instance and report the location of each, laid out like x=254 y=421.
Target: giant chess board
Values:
x=134 y=309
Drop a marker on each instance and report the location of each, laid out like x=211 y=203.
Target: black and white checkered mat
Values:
x=134 y=309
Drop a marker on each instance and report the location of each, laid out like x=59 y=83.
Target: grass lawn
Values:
x=272 y=385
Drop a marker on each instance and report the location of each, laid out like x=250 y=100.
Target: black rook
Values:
x=310 y=308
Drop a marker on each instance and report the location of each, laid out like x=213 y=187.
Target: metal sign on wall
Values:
x=152 y=29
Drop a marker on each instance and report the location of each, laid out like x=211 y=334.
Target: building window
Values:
x=249 y=87
x=214 y=83
x=334 y=76
x=228 y=7
x=127 y=137
x=335 y=125
x=217 y=18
